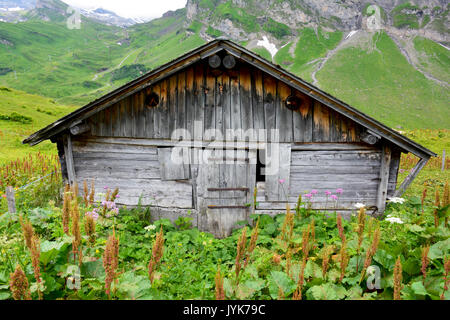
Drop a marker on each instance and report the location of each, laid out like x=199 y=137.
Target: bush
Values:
x=15 y=117
x=131 y=71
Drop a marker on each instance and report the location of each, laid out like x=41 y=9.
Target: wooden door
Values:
x=225 y=190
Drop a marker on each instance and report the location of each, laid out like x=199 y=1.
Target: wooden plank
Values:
x=303 y=119
x=384 y=178
x=269 y=85
x=321 y=123
x=169 y=169
x=107 y=125
x=199 y=101
x=331 y=147
x=275 y=190
x=140 y=114
x=104 y=171
x=284 y=115
x=393 y=171
x=210 y=103
x=226 y=106
x=257 y=99
x=67 y=140
x=81 y=147
x=190 y=111
x=11 y=199
x=219 y=102
x=123 y=119
x=336 y=170
x=115 y=121
x=236 y=118
x=410 y=178
x=181 y=103
x=164 y=110
x=172 y=104
x=245 y=86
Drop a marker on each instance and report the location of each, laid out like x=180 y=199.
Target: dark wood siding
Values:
x=241 y=99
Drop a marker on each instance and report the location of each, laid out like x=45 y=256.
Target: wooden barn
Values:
x=197 y=135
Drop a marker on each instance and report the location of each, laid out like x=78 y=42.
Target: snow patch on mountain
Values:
x=271 y=47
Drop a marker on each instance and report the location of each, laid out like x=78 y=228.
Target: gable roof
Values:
x=239 y=52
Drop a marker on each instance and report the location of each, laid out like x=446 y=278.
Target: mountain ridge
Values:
x=78 y=66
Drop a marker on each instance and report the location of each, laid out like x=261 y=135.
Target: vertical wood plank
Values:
x=164 y=109
x=245 y=83
x=11 y=199
x=172 y=104
x=284 y=115
x=236 y=122
x=199 y=101
x=190 y=112
x=321 y=125
x=226 y=107
x=219 y=101
x=181 y=104
x=107 y=122
x=303 y=120
x=258 y=100
x=68 y=156
x=158 y=111
x=384 y=178
x=123 y=118
x=270 y=89
x=210 y=115
x=150 y=114
x=115 y=119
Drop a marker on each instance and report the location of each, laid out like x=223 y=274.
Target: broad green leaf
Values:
x=326 y=291
x=313 y=270
x=439 y=249
x=244 y=292
x=51 y=249
x=280 y=280
x=411 y=266
x=418 y=288
x=227 y=286
x=5 y=295
x=385 y=259
x=93 y=269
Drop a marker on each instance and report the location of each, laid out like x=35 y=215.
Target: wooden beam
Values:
x=68 y=156
x=11 y=198
x=384 y=178
x=410 y=178
x=80 y=129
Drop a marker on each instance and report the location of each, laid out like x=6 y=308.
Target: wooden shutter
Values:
x=275 y=190
x=170 y=170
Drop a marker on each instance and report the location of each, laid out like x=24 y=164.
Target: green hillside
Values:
x=22 y=114
x=78 y=66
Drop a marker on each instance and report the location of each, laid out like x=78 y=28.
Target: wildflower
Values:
x=394 y=220
x=19 y=285
x=334 y=197
x=328 y=193
x=35 y=250
x=397 y=200
x=340 y=227
x=204 y=243
x=242 y=242
x=398 y=279
x=66 y=210
x=89 y=227
x=402 y=170
x=360 y=205
x=339 y=191
x=220 y=292
x=281 y=181
x=314 y=191
x=252 y=245
x=371 y=250
x=446 y=277
x=343 y=260
x=425 y=261
x=28 y=232
x=111 y=261
x=150 y=227
x=157 y=253
x=326 y=253
x=437 y=204
x=309 y=196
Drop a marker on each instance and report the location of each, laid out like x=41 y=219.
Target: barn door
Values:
x=225 y=190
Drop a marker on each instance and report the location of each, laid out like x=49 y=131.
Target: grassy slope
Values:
x=382 y=84
x=12 y=133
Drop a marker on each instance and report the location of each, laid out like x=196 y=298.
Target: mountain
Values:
x=51 y=10
x=390 y=59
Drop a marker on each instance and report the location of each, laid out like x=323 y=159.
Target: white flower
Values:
x=150 y=227
x=397 y=200
x=360 y=205
x=394 y=220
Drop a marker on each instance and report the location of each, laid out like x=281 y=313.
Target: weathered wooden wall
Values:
x=355 y=170
x=128 y=147
x=241 y=98
x=134 y=169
